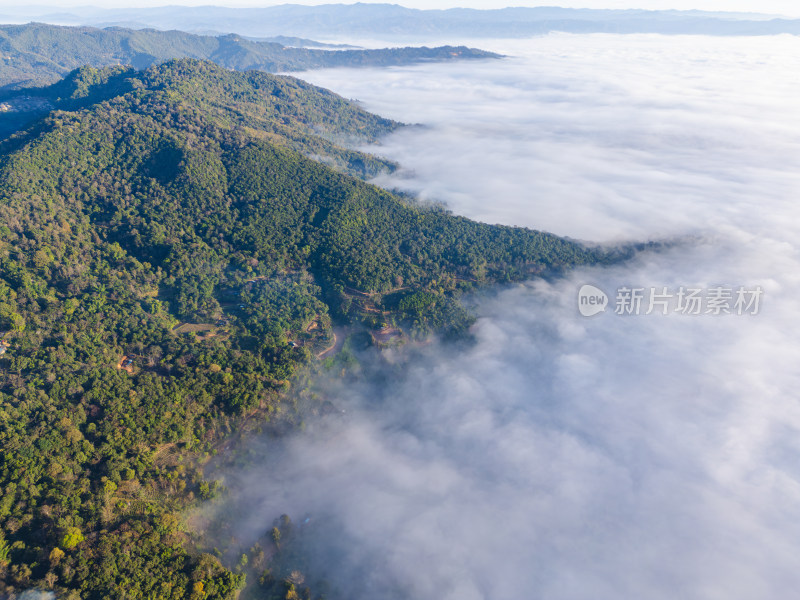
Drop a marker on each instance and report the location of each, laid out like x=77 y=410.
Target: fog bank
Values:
x=598 y=136
x=563 y=457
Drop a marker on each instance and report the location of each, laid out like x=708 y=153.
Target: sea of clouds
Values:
x=562 y=457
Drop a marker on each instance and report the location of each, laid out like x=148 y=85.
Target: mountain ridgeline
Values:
x=392 y=21
x=169 y=256
x=40 y=54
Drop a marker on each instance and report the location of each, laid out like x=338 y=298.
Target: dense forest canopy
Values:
x=169 y=256
x=39 y=54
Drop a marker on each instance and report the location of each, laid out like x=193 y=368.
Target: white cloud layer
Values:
x=596 y=136
x=564 y=458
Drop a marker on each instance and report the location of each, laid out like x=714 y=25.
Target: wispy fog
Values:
x=597 y=136
x=561 y=457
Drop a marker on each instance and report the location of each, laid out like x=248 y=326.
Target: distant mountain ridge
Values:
x=39 y=54
x=390 y=21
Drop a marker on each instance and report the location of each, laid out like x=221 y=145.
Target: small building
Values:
x=126 y=363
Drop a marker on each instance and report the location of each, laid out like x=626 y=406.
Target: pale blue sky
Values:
x=785 y=7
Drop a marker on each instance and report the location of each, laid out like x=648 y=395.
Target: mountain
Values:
x=297 y=42
x=393 y=22
x=317 y=124
x=37 y=54
x=170 y=255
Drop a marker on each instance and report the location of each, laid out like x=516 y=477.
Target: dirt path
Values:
x=371 y=294
x=338 y=342
x=331 y=348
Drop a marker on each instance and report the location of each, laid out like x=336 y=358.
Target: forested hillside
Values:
x=169 y=256
x=284 y=110
x=39 y=54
